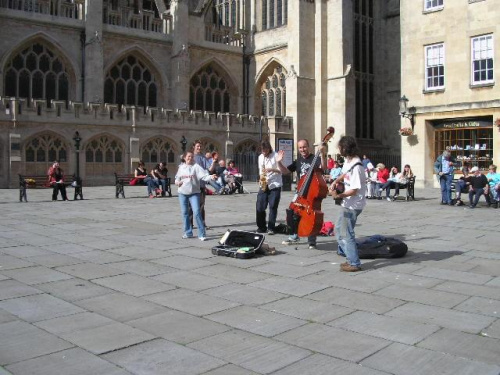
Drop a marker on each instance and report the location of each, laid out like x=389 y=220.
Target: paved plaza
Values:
x=107 y=286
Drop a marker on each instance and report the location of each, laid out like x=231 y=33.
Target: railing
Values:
x=144 y=20
x=73 y=9
x=224 y=35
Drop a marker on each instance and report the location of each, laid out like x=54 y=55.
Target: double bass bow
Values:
x=311 y=190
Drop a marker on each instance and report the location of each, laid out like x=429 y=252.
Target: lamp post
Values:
x=77 y=180
x=183 y=144
x=407 y=112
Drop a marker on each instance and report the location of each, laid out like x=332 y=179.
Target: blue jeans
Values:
x=495 y=193
x=344 y=231
x=163 y=182
x=460 y=188
x=192 y=200
x=272 y=198
x=388 y=186
x=152 y=184
x=445 y=182
x=474 y=196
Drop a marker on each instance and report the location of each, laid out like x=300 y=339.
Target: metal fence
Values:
x=247 y=165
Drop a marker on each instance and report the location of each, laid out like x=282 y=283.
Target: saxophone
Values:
x=263 y=178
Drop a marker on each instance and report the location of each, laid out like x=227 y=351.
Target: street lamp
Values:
x=407 y=112
x=183 y=144
x=78 y=181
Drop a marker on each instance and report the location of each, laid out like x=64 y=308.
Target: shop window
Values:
x=431 y=5
x=434 y=67
x=467 y=140
x=482 y=59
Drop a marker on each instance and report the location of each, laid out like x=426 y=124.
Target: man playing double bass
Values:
x=302 y=165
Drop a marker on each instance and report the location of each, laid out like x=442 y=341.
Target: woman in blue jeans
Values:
x=188 y=180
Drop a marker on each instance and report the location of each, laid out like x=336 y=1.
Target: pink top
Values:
x=232 y=170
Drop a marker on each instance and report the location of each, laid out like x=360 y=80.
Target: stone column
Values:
x=340 y=106
x=300 y=83
x=180 y=54
x=93 y=52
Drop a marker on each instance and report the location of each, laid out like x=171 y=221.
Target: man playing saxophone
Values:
x=270 y=189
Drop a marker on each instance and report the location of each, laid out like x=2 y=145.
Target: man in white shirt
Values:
x=270 y=189
x=353 y=202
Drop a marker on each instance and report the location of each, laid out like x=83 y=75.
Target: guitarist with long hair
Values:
x=353 y=201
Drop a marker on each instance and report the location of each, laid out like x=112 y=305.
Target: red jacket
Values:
x=52 y=175
x=383 y=175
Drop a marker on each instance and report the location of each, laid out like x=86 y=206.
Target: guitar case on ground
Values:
x=379 y=247
x=239 y=244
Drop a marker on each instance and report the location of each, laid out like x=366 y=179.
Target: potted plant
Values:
x=405 y=132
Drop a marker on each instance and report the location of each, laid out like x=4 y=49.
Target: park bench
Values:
x=122 y=180
x=410 y=188
x=42 y=182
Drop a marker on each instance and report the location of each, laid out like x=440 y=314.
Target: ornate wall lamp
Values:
x=407 y=112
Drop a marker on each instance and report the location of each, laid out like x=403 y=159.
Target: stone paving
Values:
x=107 y=286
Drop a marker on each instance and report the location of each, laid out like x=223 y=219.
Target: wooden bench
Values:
x=42 y=182
x=122 y=180
x=410 y=188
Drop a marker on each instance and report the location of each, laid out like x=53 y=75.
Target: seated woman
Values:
x=392 y=182
x=463 y=183
x=382 y=176
x=56 y=180
x=141 y=174
x=403 y=180
x=371 y=181
x=494 y=182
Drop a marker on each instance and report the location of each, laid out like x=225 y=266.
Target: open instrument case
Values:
x=239 y=244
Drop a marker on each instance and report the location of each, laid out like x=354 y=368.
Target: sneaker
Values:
x=395 y=197
x=203 y=238
x=185 y=236
x=345 y=267
x=151 y=196
x=388 y=199
x=270 y=232
x=260 y=230
x=290 y=241
x=312 y=247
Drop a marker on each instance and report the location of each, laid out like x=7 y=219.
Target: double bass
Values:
x=311 y=190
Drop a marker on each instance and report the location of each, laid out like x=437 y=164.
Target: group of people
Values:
x=156 y=180
x=196 y=171
x=471 y=181
x=380 y=179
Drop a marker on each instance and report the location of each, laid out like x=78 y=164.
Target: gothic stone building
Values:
x=134 y=77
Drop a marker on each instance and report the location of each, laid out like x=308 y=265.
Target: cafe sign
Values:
x=460 y=124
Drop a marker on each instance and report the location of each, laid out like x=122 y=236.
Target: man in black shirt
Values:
x=478 y=184
x=301 y=165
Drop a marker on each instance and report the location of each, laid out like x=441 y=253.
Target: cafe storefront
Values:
x=469 y=141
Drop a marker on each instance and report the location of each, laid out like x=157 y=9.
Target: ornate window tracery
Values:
x=37 y=73
x=104 y=150
x=131 y=82
x=209 y=92
x=273 y=91
x=158 y=150
x=274 y=13
x=46 y=148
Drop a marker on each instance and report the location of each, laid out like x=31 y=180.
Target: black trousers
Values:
x=55 y=191
x=271 y=198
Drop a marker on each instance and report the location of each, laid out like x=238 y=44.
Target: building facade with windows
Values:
x=134 y=77
x=449 y=73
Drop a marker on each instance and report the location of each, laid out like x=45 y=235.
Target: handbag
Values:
x=134 y=181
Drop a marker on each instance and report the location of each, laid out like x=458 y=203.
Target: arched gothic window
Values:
x=273 y=94
x=158 y=150
x=246 y=147
x=209 y=92
x=274 y=13
x=227 y=13
x=37 y=73
x=131 y=82
x=46 y=148
x=104 y=150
